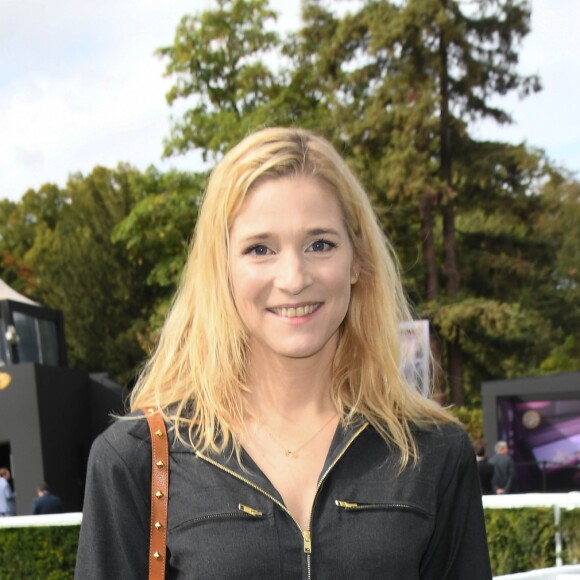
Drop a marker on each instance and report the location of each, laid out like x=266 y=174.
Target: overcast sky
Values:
x=80 y=86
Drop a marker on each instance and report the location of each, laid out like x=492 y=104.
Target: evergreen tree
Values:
x=403 y=81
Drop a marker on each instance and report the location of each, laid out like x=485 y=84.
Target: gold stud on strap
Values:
x=160 y=486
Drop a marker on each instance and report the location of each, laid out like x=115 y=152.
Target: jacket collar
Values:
x=250 y=472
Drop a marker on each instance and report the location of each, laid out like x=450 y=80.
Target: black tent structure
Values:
x=29 y=332
x=49 y=414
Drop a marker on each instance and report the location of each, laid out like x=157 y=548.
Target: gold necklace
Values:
x=293 y=453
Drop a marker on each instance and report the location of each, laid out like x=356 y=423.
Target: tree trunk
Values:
x=455 y=368
x=428 y=246
x=431 y=291
x=452 y=285
x=451 y=268
x=437 y=368
x=451 y=265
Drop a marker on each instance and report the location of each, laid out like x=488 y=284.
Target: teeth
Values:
x=295 y=312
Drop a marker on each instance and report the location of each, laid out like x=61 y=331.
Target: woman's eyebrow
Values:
x=317 y=231
x=256 y=237
x=322 y=231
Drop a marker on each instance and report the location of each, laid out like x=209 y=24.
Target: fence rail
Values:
x=68 y=519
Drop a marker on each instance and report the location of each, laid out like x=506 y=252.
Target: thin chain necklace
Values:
x=294 y=453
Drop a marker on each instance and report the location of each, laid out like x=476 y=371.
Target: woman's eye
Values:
x=322 y=246
x=258 y=250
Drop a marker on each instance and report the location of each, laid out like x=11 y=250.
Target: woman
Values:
x=299 y=450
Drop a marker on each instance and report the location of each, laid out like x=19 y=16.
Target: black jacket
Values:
x=485 y=470
x=368 y=521
x=504 y=473
x=47 y=504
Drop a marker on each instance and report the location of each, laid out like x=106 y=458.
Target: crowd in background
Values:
x=45 y=502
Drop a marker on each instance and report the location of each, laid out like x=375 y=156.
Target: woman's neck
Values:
x=289 y=388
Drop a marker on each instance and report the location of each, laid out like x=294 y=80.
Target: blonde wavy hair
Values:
x=196 y=373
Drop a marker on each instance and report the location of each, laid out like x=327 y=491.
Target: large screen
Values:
x=544 y=439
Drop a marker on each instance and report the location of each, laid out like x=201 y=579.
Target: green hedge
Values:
x=519 y=540
x=522 y=539
x=46 y=553
x=570 y=530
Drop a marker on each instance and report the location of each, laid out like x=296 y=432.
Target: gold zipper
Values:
x=306 y=534
x=321 y=481
x=349 y=505
x=250 y=511
x=331 y=466
x=307 y=545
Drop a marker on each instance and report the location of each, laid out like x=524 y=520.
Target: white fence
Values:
x=70 y=519
x=559 y=573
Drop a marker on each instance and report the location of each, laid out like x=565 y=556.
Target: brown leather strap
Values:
x=159 y=494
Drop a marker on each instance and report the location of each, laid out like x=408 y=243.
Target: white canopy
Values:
x=7 y=293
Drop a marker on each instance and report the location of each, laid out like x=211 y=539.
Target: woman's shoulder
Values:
x=126 y=437
x=129 y=436
x=446 y=438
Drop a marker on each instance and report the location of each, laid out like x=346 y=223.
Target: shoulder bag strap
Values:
x=159 y=494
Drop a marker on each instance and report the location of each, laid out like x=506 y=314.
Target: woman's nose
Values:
x=293 y=273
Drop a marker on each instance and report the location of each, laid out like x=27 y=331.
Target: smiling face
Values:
x=291 y=267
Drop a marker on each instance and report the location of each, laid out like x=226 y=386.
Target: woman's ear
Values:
x=354 y=275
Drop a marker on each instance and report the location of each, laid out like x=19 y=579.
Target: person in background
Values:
x=46 y=502
x=504 y=470
x=484 y=467
x=297 y=448
x=7 y=495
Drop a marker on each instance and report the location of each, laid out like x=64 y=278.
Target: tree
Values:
x=79 y=270
x=22 y=222
x=560 y=223
x=395 y=86
x=106 y=250
x=155 y=235
x=217 y=62
x=407 y=78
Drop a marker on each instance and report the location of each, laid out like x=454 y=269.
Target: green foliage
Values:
x=33 y=216
x=564 y=357
x=42 y=552
x=520 y=539
x=218 y=60
x=394 y=85
x=157 y=230
x=156 y=235
x=79 y=270
x=570 y=530
x=471 y=419
x=106 y=250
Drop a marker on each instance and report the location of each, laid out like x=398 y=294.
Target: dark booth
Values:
x=49 y=414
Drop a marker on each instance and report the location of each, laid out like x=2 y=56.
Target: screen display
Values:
x=544 y=440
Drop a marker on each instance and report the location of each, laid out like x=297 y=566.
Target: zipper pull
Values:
x=250 y=511
x=347 y=505
x=307 y=542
